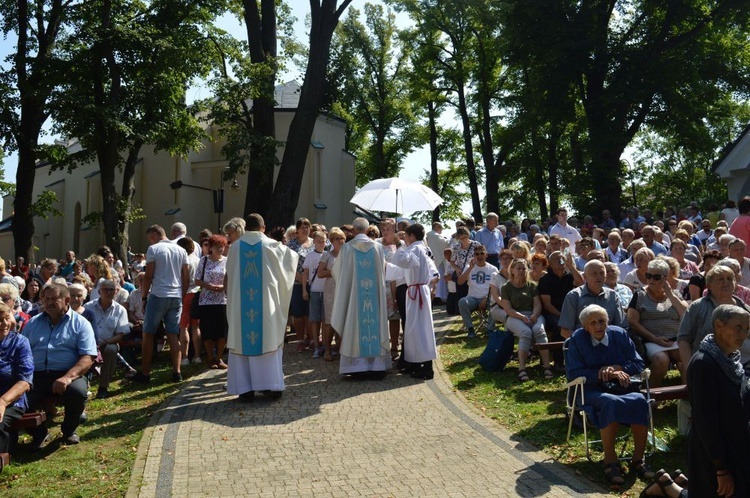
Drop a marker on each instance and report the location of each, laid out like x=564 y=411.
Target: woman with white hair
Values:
x=607 y=358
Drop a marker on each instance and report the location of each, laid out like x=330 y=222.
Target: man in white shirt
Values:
x=165 y=283
x=110 y=326
x=478 y=273
x=564 y=230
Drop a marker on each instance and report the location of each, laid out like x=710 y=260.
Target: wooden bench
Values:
x=550 y=346
x=667 y=393
x=29 y=420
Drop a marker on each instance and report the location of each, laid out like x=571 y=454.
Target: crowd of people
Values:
x=647 y=290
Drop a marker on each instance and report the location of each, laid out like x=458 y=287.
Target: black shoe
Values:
x=423 y=375
x=72 y=439
x=41 y=440
x=103 y=393
x=247 y=397
x=140 y=378
x=272 y=394
x=176 y=377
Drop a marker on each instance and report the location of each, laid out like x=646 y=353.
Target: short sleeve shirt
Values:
x=214 y=275
x=168 y=259
x=107 y=323
x=480 y=279
x=521 y=298
x=59 y=347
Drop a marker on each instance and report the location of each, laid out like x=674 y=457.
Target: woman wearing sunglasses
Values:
x=654 y=313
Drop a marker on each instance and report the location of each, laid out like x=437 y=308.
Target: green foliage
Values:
x=450 y=180
x=369 y=70
x=126 y=210
x=44 y=206
x=240 y=80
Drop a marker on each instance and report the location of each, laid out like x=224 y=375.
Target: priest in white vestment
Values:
x=259 y=279
x=359 y=307
x=419 y=332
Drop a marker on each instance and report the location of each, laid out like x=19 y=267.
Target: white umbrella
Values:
x=396 y=195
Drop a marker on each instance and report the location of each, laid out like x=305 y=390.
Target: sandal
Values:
x=548 y=373
x=613 y=473
x=523 y=376
x=642 y=469
x=679 y=478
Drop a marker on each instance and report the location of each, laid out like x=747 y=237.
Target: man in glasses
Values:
x=591 y=292
x=110 y=326
x=478 y=273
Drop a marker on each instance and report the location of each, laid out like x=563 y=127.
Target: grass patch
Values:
x=102 y=463
x=535 y=411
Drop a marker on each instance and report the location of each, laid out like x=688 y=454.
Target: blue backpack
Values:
x=498 y=352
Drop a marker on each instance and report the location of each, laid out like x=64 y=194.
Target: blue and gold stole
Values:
x=251 y=291
x=368 y=303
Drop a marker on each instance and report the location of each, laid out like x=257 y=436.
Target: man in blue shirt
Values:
x=492 y=239
x=64 y=347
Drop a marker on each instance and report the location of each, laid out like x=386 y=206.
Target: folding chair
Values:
x=575 y=402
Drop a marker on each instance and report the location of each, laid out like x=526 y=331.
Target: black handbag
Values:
x=614 y=386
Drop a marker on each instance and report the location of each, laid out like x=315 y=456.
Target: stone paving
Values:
x=331 y=436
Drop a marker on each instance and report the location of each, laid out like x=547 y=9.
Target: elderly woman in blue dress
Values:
x=16 y=374
x=603 y=354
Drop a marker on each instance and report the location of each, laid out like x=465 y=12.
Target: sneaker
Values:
x=197 y=360
x=41 y=440
x=140 y=378
x=103 y=393
x=316 y=355
x=72 y=439
x=176 y=377
x=185 y=362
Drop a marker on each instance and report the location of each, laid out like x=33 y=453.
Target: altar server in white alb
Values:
x=359 y=307
x=419 y=333
x=258 y=282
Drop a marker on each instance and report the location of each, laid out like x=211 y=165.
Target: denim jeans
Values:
x=465 y=306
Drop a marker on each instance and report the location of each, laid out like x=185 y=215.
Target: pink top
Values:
x=741 y=229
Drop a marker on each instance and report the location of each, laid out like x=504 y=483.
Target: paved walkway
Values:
x=329 y=436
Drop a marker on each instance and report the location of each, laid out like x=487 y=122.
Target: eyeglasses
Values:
x=654 y=276
x=107 y=289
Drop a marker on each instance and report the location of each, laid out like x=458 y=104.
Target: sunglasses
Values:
x=654 y=276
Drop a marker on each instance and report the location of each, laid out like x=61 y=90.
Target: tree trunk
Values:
x=108 y=157
x=34 y=88
x=22 y=225
x=122 y=241
x=432 y=125
x=261 y=38
x=492 y=173
x=471 y=169
x=324 y=19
